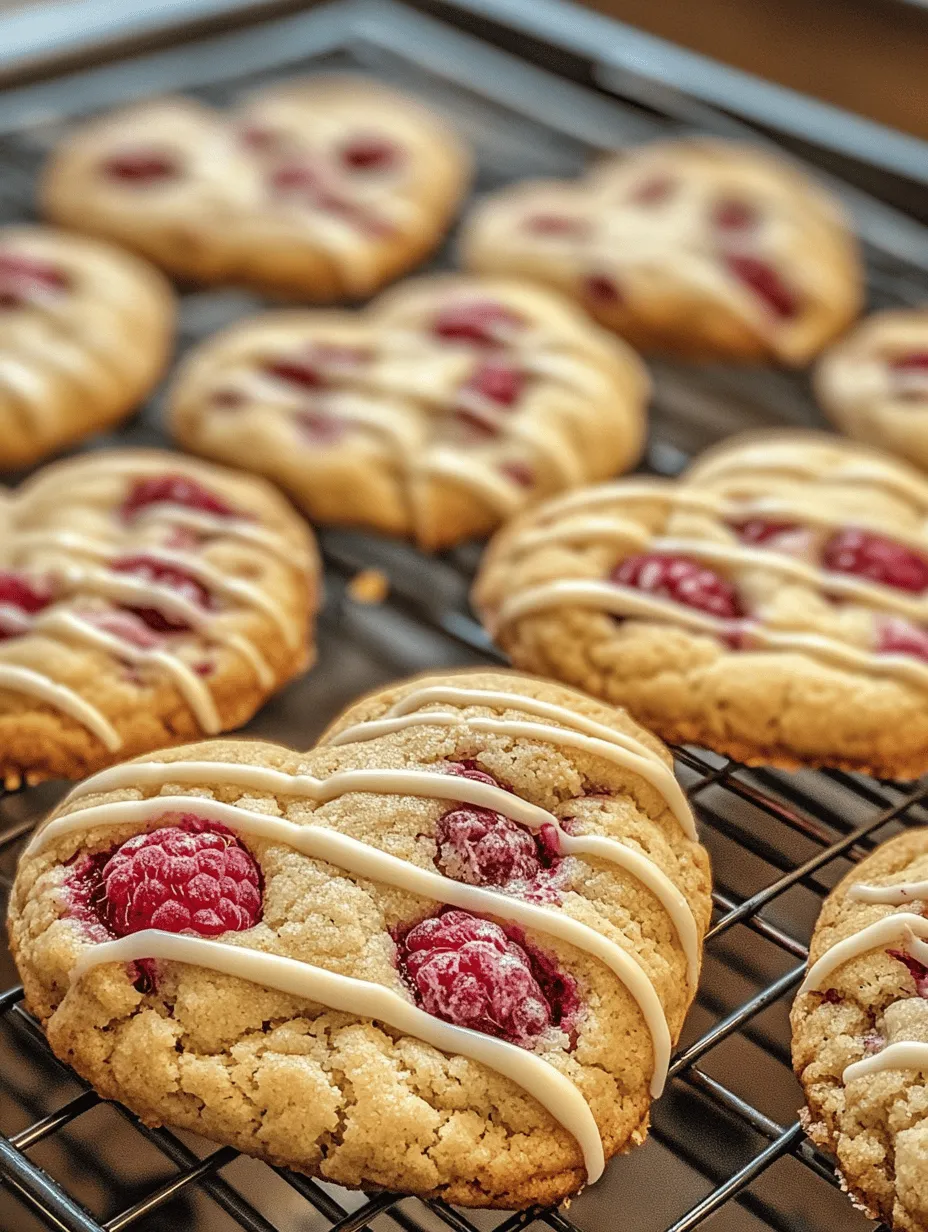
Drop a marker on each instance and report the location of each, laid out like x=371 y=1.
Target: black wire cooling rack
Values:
x=726 y=1150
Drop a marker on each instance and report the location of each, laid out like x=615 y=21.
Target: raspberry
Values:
x=684 y=581
x=306 y=373
x=757 y=531
x=915 y=361
x=319 y=428
x=296 y=177
x=765 y=282
x=877 y=559
x=917 y=970
x=897 y=636
x=149 y=570
x=653 y=191
x=20 y=598
x=469 y=972
x=188 y=876
x=519 y=472
x=24 y=279
x=734 y=215
x=480 y=847
x=127 y=626
x=173 y=490
x=141 y=167
x=369 y=154
x=602 y=290
x=256 y=137
x=498 y=381
x=556 y=224
x=482 y=322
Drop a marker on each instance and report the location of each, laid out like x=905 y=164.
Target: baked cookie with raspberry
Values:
x=447 y=406
x=860 y=1033
x=319 y=189
x=772 y=605
x=701 y=248
x=145 y=599
x=873 y=384
x=447 y=952
x=85 y=332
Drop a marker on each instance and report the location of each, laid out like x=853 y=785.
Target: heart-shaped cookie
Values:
x=448 y=951
x=319 y=189
x=440 y=411
x=700 y=248
x=772 y=605
x=144 y=599
x=85 y=331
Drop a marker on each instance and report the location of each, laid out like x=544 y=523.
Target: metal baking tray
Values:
x=726 y=1150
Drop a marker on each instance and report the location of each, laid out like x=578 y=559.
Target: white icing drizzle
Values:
x=891 y=928
x=625 y=601
x=363 y=860
x=24 y=680
x=220 y=524
x=365 y=999
x=892 y=895
x=907 y=1054
x=502 y=495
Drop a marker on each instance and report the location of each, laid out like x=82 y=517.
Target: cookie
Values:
x=874 y=383
x=145 y=599
x=860 y=1033
x=446 y=952
x=447 y=406
x=699 y=248
x=319 y=189
x=772 y=606
x=85 y=331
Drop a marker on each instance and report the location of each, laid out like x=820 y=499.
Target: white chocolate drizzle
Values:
x=24 y=680
x=365 y=999
x=906 y=1054
x=890 y=929
x=892 y=895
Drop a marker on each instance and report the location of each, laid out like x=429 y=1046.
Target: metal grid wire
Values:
x=725 y=1133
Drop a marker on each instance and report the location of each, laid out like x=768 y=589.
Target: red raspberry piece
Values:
x=306 y=373
x=898 y=636
x=915 y=361
x=765 y=282
x=147 y=569
x=296 y=178
x=482 y=322
x=877 y=559
x=257 y=137
x=653 y=191
x=519 y=472
x=684 y=581
x=480 y=847
x=141 y=167
x=320 y=428
x=24 y=279
x=126 y=626
x=189 y=876
x=498 y=381
x=602 y=290
x=917 y=970
x=173 y=490
x=22 y=597
x=469 y=972
x=757 y=531
x=556 y=224
x=369 y=154
x=734 y=215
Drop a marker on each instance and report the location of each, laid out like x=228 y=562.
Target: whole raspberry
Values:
x=141 y=167
x=147 y=569
x=24 y=279
x=480 y=847
x=20 y=598
x=477 y=321
x=877 y=559
x=173 y=490
x=765 y=282
x=469 y=972
x=189 y=876
x=684 y=581
x=898 y=636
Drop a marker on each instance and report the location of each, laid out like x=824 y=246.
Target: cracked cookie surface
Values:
x=771 y=605
x=445 y=407
x=145 y=599
x=85 y=331
x=320 y=189
x=702 y=248
x=479 y=849
x=860 y=1032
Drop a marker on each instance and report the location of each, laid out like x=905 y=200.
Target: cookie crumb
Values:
x=369 y=586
